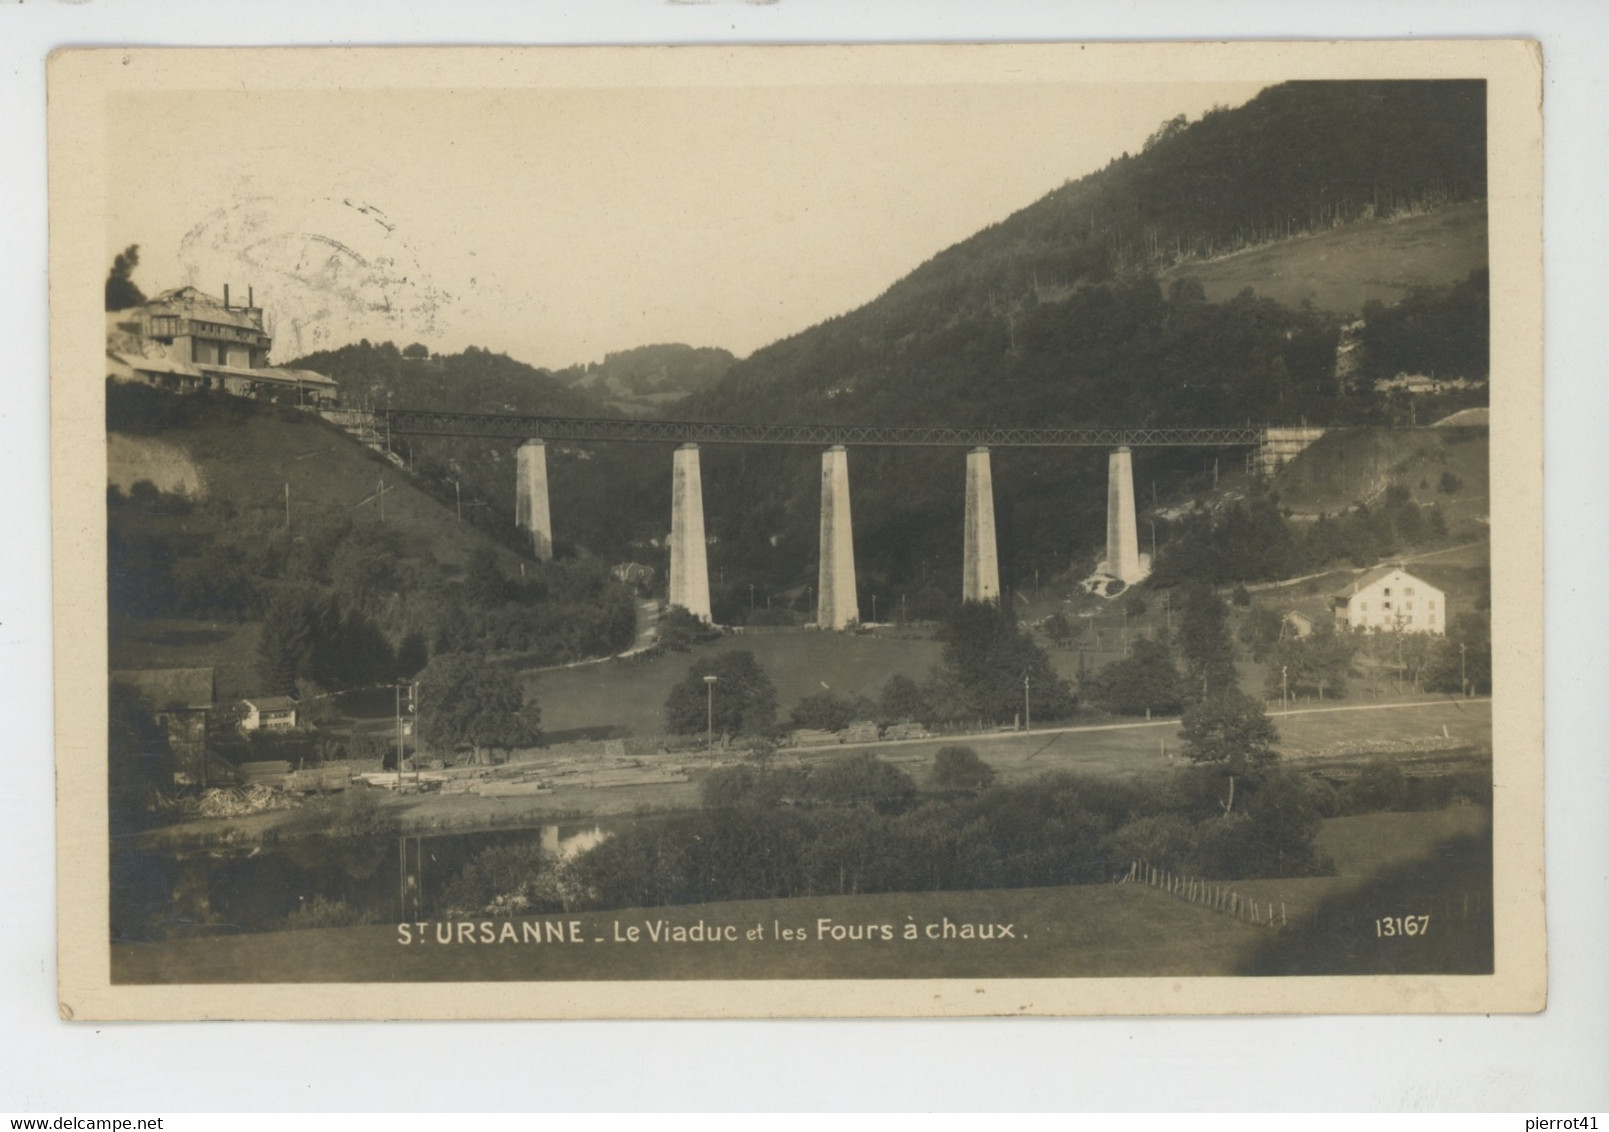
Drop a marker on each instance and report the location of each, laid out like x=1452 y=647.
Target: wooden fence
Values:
x=1212 y=896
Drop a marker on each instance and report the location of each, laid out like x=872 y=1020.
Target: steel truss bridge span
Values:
x=420 y=422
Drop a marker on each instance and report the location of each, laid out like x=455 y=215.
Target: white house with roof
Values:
x=1389 y=599
x=269 y=713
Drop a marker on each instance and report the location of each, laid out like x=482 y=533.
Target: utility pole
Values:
x=1284 y=690
x=1027 y=706
x=709 y=701
x=874 y=607
x=399 y=736
x=413 y=712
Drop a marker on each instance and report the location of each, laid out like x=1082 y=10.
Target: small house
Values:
x=1297 y=625
x=179 y=700
x=1389 y=599
x=269 y=713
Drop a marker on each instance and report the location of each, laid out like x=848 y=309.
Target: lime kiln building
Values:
x=1389 y=599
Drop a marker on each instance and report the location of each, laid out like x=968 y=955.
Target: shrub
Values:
x=322 y=912
x=750 y=785
x=960 y=768
x=1165 y=840
x=680 y=629
x=1381 y=786
x=354 y=812
x=822 y=712
x=902 y=700
x=862 y=779
x=511 y=879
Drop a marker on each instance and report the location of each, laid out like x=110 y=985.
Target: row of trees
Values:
x=858 y=825
x=1251 y=540
x=1437 y=331
x=308 y=636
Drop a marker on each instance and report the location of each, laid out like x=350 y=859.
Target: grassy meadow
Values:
x=1341 y=269
x=627 y=697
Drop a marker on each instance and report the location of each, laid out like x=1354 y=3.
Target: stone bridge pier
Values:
x=689 y=550
x=980 y=562
x=1123 y=558
x=531 y=512
x=837 y=606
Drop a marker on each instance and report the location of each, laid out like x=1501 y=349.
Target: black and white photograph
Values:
x=798 y=531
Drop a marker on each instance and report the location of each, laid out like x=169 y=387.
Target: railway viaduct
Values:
x=836 y=601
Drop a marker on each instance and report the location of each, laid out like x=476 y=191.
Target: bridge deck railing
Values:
x=422 y=422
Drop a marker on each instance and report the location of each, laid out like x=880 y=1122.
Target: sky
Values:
x=558 y=225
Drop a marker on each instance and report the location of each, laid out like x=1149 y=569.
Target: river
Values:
x=261 y=888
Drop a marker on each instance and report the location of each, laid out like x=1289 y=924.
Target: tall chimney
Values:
x=226 y=296
x=251 y=300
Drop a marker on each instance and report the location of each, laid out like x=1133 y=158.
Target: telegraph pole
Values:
x=709 y=702
x=380 y=493
x=399 y=737
x=1027 y=706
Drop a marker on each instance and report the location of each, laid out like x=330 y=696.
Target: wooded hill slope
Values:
x=1048 y=295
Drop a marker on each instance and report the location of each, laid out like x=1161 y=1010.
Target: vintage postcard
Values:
x=798 y=531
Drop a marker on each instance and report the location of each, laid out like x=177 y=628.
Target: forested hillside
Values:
x=357 y=574
x=1049 y=295
x=649 y=379
x=474 y=381
x=1300 y=157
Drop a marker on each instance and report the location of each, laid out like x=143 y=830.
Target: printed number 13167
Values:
x=1401 y=925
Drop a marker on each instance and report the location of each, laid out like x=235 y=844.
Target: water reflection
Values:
x=565 y=845
x=309 y=881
